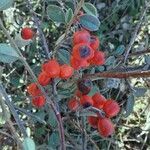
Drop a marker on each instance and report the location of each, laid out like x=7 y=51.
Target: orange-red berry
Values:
x=86 y=101
x=82 y=36
x=51 y=68
x=78 y=64
x=105 y=127
x=73 y=104
x=27 y=33
x=93 y=121
x=33 y=90
x=84 y=86
x=38 y=101
x=98 y=100
x=66 y=71
x=78 y=93
x=94 y=42
x=98 y=59
x=111 y=108
x=43 y=79
x=83 y=51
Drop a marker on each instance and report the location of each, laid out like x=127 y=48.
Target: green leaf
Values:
x=90 y=9
x=5 y=4
x=90 y=22
x=63 y=56
x=110 y=60
x=69 y=15
x=28 y=144
x=120 y=50
x=129 y=105
x=52 y=119
x=54 y=140
x=56 y=14
x=7 y=53
x=139 y=91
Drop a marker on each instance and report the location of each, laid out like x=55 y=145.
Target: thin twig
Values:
x=132 y=74
x=79 y=6
x=9 y=122
x=134 y=35
x=36 y=21
x=13 y=111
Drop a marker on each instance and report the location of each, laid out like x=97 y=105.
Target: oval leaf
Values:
x=69 y=15
x=54 y=140
x=56 y=14
x=4 y=4
x=89 y=22
x=28 y=144
x=8 y=53
x=120 y=50
x=129 y=105
x=90 y=9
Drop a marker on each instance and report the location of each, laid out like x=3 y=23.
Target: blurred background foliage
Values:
x=118 y=21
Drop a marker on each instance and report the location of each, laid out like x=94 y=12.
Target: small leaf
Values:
x=139 y=91
x=90 y=9
x=120 y=50
x=110 y=60
x=54 y=140
x=5 y=4
x=69 y=15
x=52 y=119
x=28 y=144
x=8 y=53
x=129 y=105
x=56 y=14
x=89 y=22
x=63 y=56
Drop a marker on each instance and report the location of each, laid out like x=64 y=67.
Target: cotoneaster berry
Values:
x=51 y=68
x=83 y=51
x=98 y=59
x=43 y=79
x=66 y=71
x=98 y=100
x=94 y=42
x=82 y=36
x=38 y=101
x=33 y=90
x=86 y=101
x=78 y=64
x=73 y=104
x=84 y=86
x=27 y=33
x=105 y=127
x=93 y=121
x=111 y=108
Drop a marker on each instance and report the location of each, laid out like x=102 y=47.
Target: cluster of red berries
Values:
x=85 y=50
x=98 y=101
x=50 y=70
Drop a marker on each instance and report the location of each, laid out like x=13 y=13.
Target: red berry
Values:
x=94 y=42
x=105 y=127
x=98 y=100
x=78 y=64
x=111 y=108
x=93 y=121
x=43 y=79
x=82 y=36
x=33 y=90
x=86 y=101
x=51 y=68
x=84 y=86
x=27 y=33
x=38 y=101
x=73 y=104
x=82 y=51
x=66 y=71
x=98 y=59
